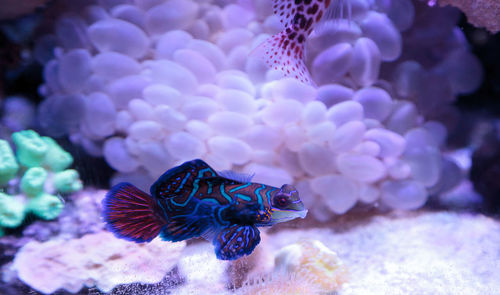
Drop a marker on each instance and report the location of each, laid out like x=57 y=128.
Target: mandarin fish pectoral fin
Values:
x=236 y=241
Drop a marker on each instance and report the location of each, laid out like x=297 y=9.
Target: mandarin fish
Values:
x=193 y=200
x=285 y=50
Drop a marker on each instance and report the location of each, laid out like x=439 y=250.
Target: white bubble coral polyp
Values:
x=159 y=88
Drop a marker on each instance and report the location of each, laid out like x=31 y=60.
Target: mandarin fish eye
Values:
x=286 y=195
x=290 y=191
x=280 y=201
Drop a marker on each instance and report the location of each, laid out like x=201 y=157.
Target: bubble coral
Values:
x=148 y=89
x=42 y=163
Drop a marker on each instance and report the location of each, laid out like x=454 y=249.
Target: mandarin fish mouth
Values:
x=302 y=214
x=284 y=216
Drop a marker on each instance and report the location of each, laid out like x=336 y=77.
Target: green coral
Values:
x=31 y=149
x=56 y=159
x=67 y=181
x=11 y=211
x=46 y=206
x=33 y=180
x=42 y=165
x=8 y=163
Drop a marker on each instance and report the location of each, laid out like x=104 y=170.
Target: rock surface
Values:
x=12 y=8
x=480 y=13
x=96 y=260
x=419 y=253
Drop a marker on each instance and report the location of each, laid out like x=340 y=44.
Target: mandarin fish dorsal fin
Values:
x=181 y=178
x=235 y=241
x=236 y=176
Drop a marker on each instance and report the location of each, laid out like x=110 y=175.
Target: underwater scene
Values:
x=343 y=147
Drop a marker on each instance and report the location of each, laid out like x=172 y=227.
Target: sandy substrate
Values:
x=417 y=253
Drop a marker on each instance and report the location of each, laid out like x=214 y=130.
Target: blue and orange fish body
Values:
x=193 y=200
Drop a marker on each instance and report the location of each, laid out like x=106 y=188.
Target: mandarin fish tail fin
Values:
x=285 y=52
x=132 y=214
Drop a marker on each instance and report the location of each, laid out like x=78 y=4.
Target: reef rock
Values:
x=96 y=260
x=480 y=13
x=12 y=8
x=80 y=216
x=313 y=261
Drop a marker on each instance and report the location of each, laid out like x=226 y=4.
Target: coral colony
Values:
x=30 y=178
x=148 y=89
